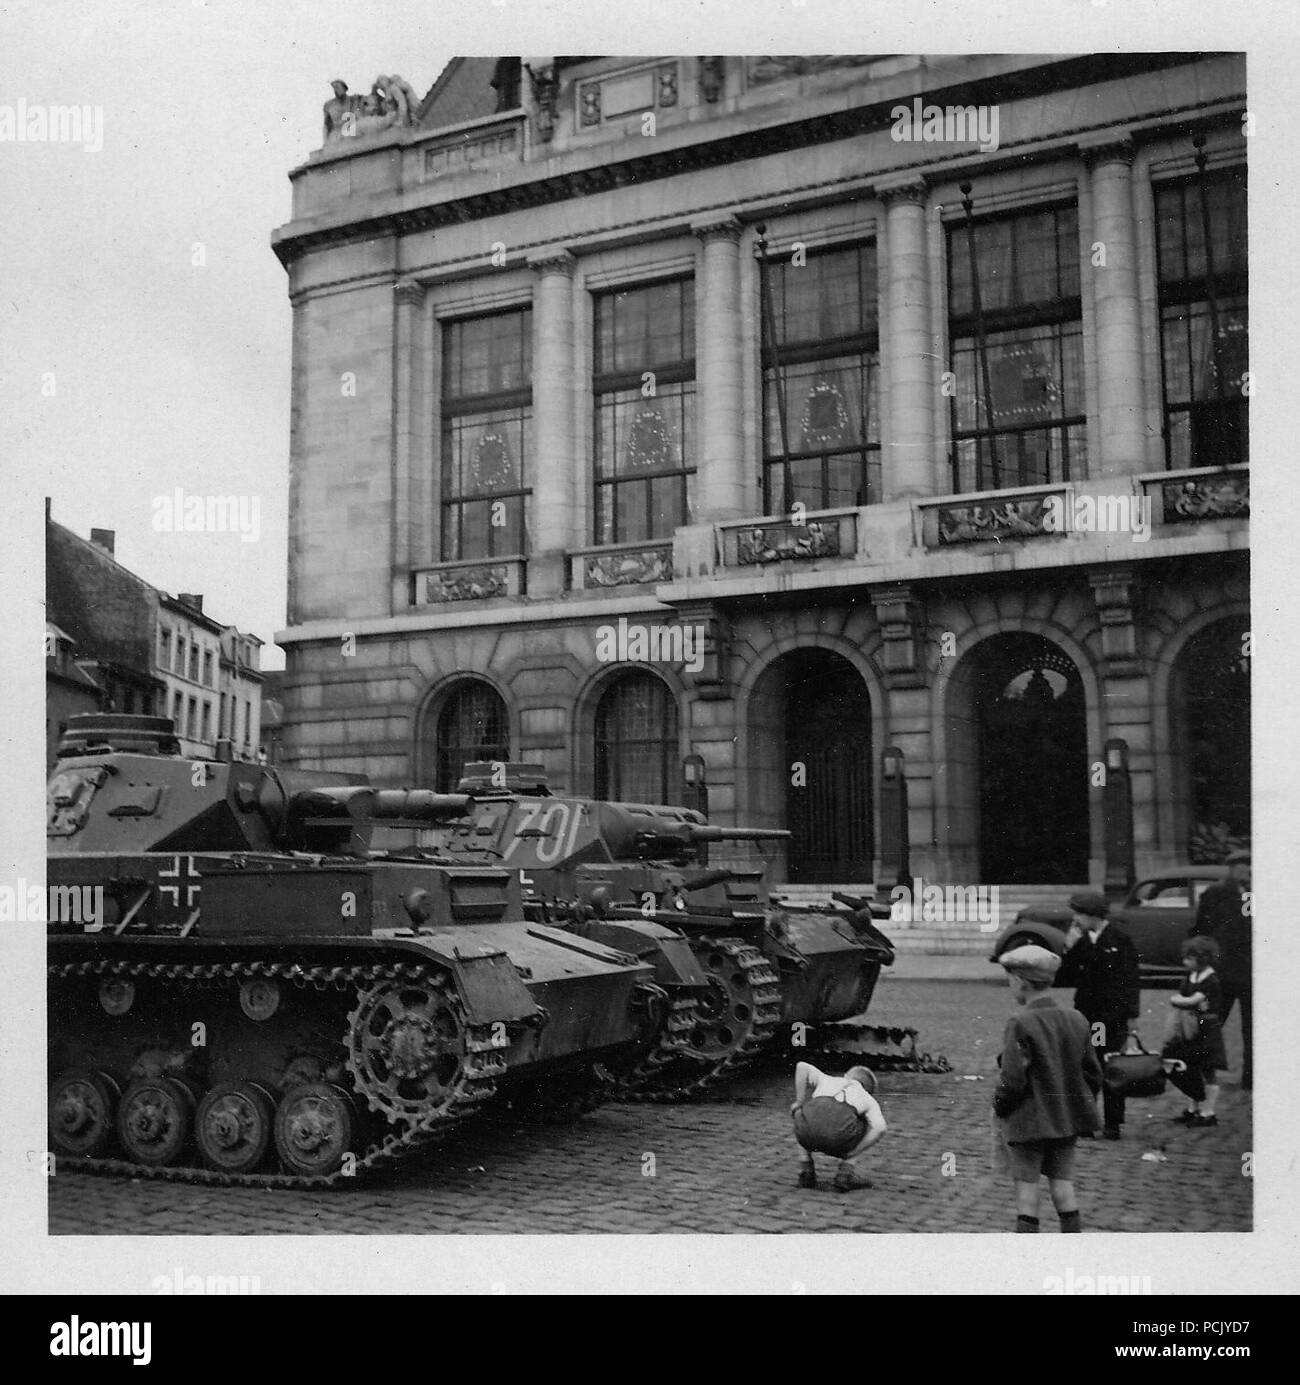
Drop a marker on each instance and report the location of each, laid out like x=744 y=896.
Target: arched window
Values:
x=472 y=725
x=636 y=742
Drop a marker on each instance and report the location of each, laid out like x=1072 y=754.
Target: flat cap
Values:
x=1096 y=906
x=1031 y=960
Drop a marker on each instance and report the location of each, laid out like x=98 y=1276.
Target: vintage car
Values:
x=1157 y=914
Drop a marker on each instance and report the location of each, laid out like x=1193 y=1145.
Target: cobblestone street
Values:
x=728 y=1165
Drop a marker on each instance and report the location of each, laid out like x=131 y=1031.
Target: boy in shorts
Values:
x=1047 y=1095
x=838 y=1116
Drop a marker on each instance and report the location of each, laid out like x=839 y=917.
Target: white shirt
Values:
x=852 y=1093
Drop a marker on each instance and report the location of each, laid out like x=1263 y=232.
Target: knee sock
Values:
x=1211 y=1096
x=1026 y=1224
x=1070 y=1220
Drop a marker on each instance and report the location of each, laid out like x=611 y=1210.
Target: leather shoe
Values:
x=1112 y=1132
x=846 y=1180
x=807 y=1178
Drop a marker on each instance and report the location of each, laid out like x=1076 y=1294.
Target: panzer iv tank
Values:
x=242 y=991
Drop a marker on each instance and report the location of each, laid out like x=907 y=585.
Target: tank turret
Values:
x=249 y=991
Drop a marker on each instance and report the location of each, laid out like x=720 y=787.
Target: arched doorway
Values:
x=1210 y=711
x=810 y=756
x=471 y=724
x=1017 y=732
x=637 y=748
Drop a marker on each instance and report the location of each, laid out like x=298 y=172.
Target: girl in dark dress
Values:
x=1201 y=995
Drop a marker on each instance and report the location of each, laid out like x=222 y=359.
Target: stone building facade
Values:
x=679 y=413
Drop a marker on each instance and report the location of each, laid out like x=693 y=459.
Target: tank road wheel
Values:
x=739 y=1004
x=233 y=1127
x=313 y=1128
x=82 y=1106
x=407 y=1049
x=154 y=1120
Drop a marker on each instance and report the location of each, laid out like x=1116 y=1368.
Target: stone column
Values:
x=410 y=493
x=721 y=490
x=907 y=452
x=555 y=507
x=1113 y=266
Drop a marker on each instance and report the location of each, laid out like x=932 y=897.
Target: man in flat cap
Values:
x=1102 y=963
x=1047 y=1093
x=1224 y=914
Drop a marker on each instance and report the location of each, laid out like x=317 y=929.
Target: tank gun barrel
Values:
x=736 y=834
x=684 y=836
x=359 y=802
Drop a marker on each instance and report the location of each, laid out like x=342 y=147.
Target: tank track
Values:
x=870 y=1045
x=672 y=1040
x=664 y=1085
x=484 y=1065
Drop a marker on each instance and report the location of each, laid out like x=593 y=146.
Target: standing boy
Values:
x=1047 y=1093
x=1102 y=963
x=836 y=1116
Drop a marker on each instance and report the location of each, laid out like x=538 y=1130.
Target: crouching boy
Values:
x=1046 y=1096
x=837 y=1116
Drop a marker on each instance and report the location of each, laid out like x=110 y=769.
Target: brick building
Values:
x=589 y=469
x=143 y=650
x=107 y=613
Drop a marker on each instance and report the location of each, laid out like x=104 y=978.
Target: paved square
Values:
x=729 y=1164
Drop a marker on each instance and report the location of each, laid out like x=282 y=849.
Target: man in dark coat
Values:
x=1224 y=914
x=1102 y=963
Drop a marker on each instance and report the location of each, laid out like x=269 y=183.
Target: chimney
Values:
x=104 y=538
x=194 y=599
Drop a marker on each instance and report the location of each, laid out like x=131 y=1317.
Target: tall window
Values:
x=194 y=663
x=164 y=648
x=1203 y=318
x=645 y=411
x=471 y=726
x=636 y=741
x=1017 y=420
x=826 y=328
x=487 y=415
x=207 y=667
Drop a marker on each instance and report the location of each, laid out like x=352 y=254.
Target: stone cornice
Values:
x=1109 y=149
x=409 y=293
x=547 y=186
x=912 y=190
x=557 y=260
x=724 y=227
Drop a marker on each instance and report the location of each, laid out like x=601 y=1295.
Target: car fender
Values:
x=1045 y=934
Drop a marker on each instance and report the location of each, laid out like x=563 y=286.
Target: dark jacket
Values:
x=1050 y=1074
x=1106 y=975
x=1222 y=915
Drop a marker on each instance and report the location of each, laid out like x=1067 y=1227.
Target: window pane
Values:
x=639 y=329
x=486 y=452
x=636 y=741
x=830 y=295
x=488 y=355
x=1024 y=261
x=471 y=726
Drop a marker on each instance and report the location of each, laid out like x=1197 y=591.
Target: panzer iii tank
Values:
x=628 y=874
x=246 y=992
